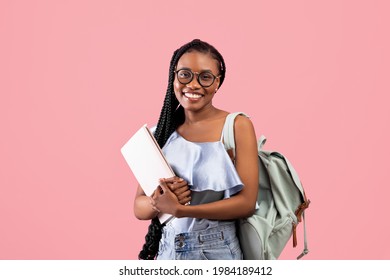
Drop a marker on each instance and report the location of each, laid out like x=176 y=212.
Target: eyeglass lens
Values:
x=205 y=79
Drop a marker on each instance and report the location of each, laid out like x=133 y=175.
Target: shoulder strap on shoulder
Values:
x=228 y=131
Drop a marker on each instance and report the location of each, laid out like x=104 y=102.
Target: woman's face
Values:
x=193 y=96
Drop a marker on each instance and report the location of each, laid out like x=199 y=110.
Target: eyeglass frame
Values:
x=197 y=73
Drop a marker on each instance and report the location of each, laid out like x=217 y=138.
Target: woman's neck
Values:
x=194 y=117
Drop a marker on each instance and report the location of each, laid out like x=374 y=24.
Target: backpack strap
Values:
x=305 y=249
x=261 y=142
x=228 y=132
x=300 y=212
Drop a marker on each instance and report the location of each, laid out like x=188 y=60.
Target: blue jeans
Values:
x=216 y=243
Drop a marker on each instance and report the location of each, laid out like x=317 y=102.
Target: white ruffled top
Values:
x=210 y=174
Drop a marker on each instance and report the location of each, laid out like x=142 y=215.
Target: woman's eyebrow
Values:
x=187 y=68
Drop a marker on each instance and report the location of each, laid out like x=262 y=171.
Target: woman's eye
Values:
x=184 y=74
x=206 y=76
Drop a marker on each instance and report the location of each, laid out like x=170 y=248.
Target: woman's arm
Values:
x=238 y=206
x=143 y=210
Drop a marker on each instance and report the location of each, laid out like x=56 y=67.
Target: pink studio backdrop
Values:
x=77 y=78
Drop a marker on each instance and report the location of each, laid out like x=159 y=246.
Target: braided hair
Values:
x=172 y=116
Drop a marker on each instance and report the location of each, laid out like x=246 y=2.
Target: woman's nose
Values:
x=194 y=83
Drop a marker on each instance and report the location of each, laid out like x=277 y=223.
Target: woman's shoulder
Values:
x=243 y=128
x=242 y=122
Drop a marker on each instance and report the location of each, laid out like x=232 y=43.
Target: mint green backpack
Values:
x=281 y=203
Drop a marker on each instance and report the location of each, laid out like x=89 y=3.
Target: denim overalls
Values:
x=217 y=243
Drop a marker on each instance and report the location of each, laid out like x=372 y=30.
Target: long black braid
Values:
x=172 y=116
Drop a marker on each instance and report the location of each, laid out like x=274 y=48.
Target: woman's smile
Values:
x=193 y=96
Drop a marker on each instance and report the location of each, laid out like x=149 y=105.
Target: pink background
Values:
x=77 y=78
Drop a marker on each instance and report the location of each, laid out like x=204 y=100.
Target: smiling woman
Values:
x=196 y=93
x=210 y=191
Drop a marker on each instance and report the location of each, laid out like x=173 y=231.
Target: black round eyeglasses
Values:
x=205 y=78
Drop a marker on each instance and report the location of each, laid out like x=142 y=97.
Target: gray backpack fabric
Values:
x=281 y=203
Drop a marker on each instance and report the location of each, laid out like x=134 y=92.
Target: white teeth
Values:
x=192 y=95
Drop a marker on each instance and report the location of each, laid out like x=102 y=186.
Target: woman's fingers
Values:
x=163 y=185
x=182 y=192
x=153 y=203
x=185 y=200
x=164 y=188
x=184 y=195
x=167 y=201
x=178 y=185
x=173 y=179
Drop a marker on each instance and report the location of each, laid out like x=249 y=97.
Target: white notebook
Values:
x=147 y=162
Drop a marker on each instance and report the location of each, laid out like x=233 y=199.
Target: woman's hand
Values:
x=180 y=188
x=164 y=200
x=143 y=205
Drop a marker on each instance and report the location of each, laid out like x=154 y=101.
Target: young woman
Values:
x=210 y=192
